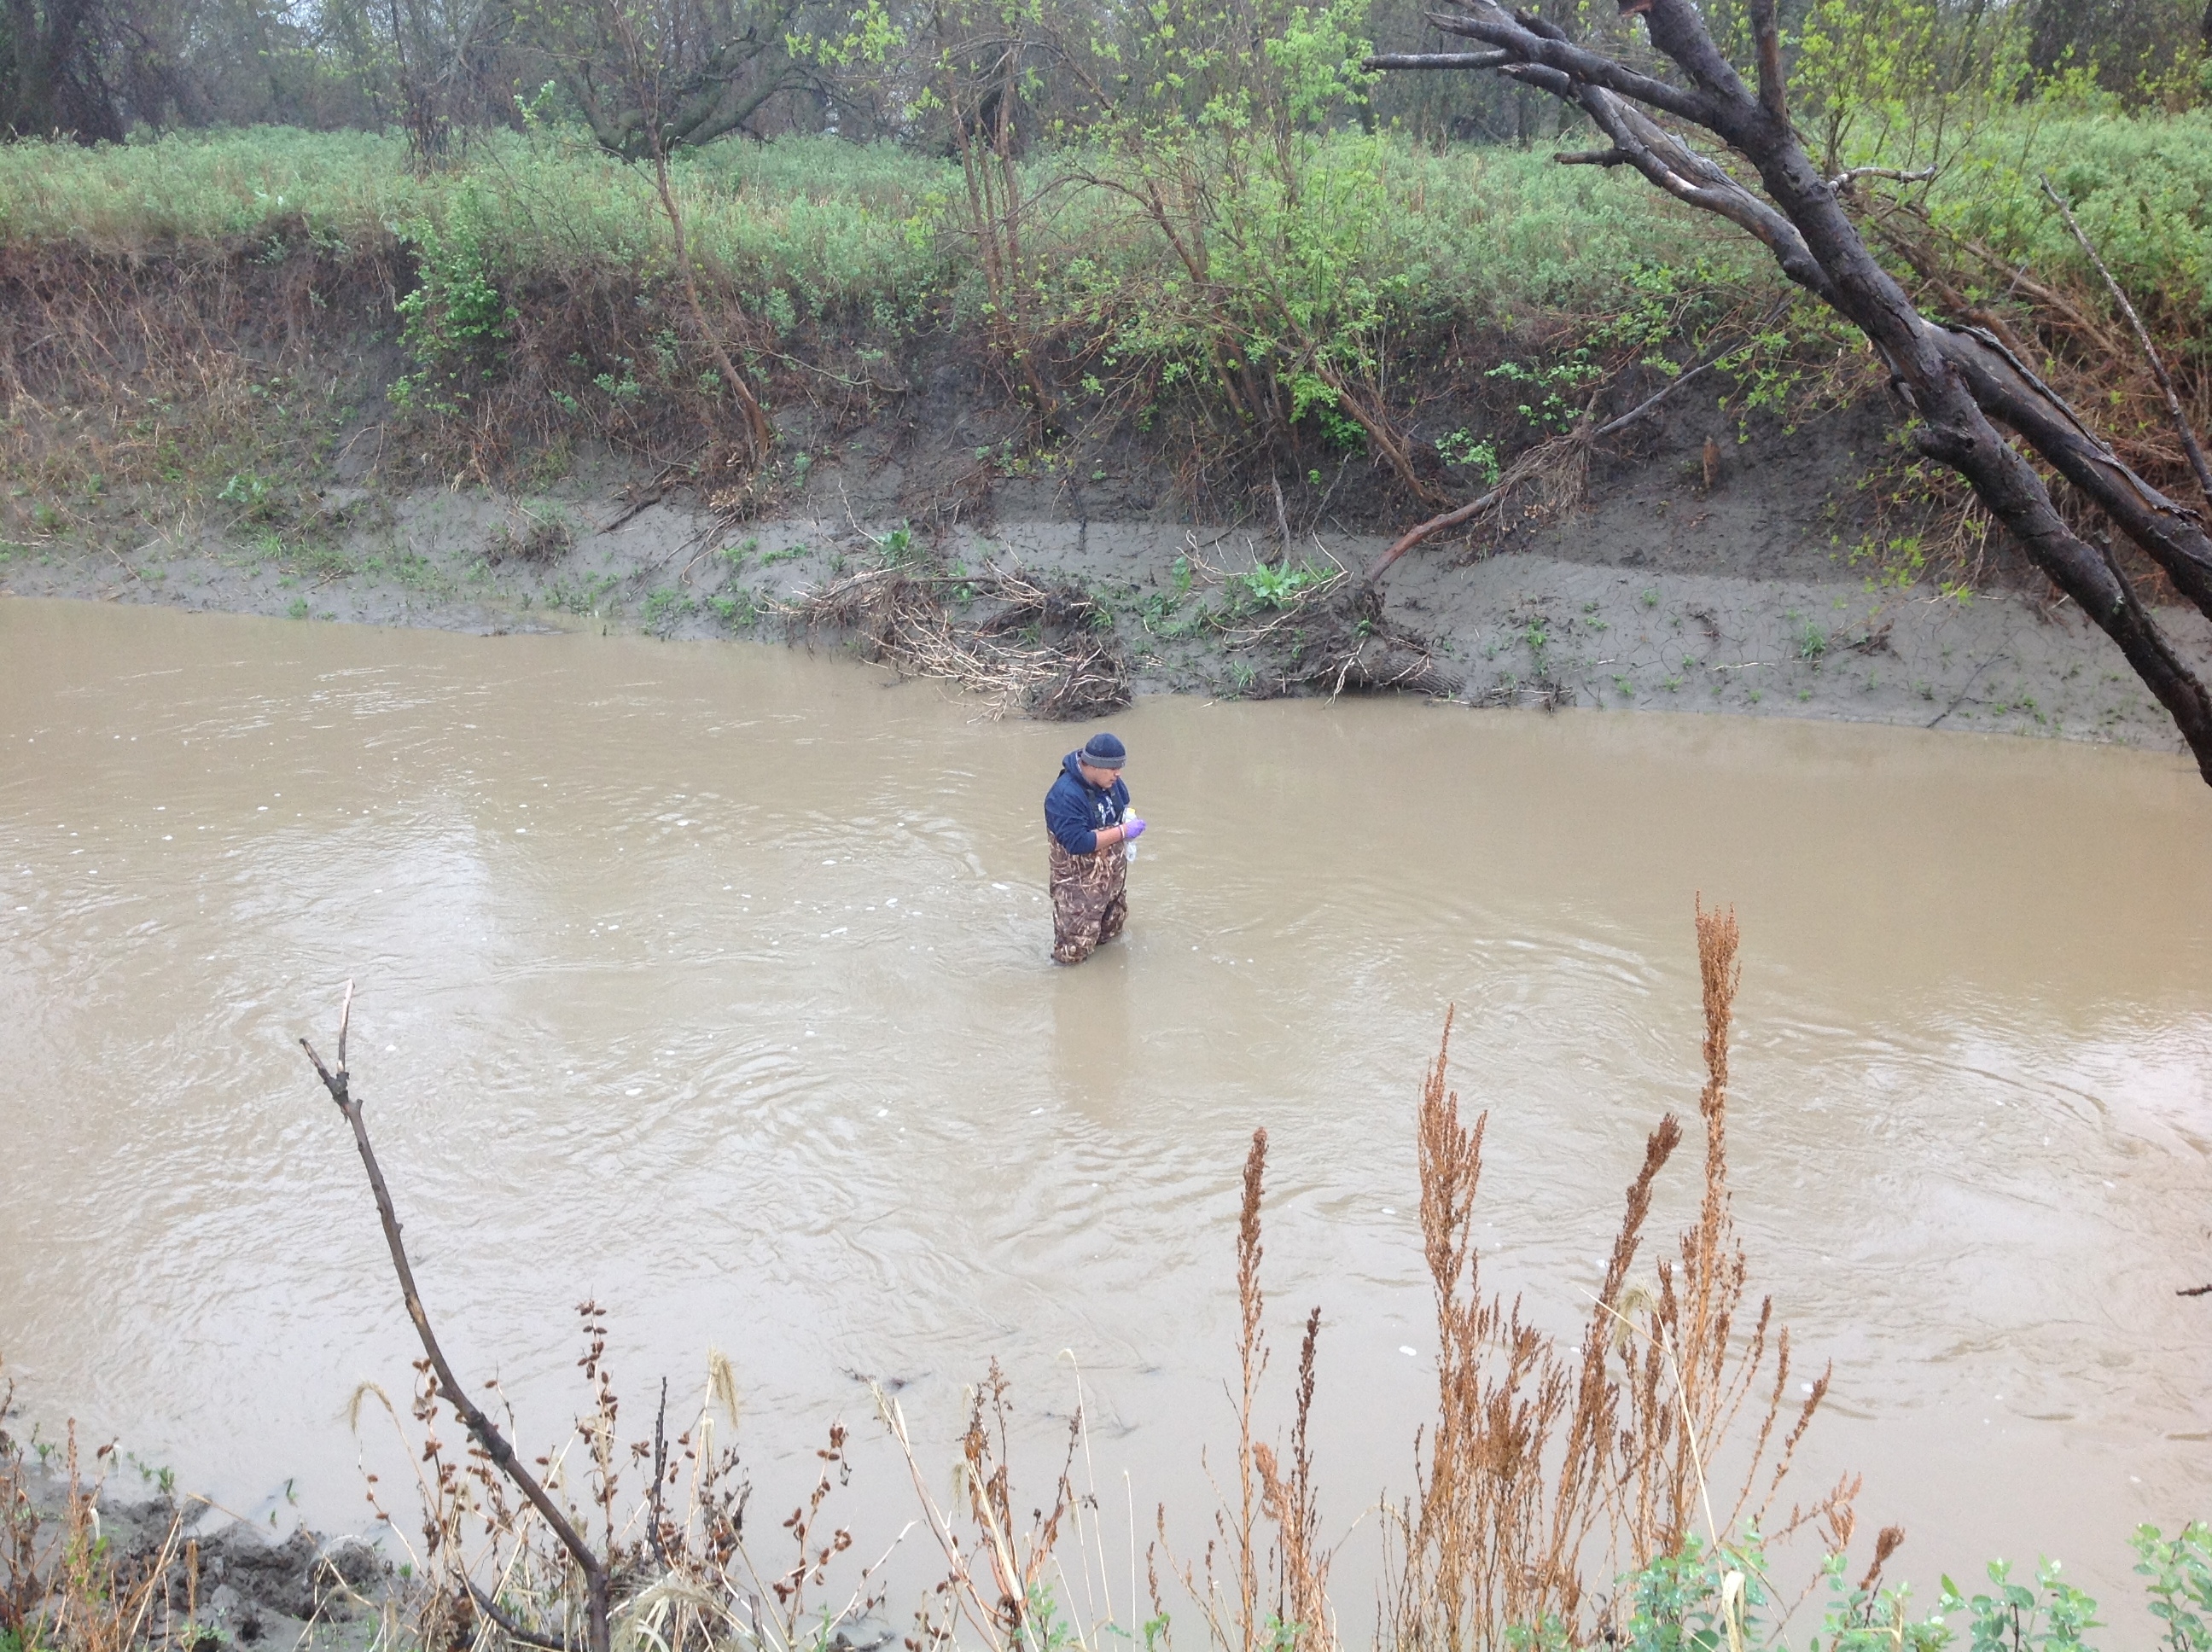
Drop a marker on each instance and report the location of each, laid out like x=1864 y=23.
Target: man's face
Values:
x=1103 y=779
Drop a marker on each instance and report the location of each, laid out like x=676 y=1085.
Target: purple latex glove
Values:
x=1132 y=829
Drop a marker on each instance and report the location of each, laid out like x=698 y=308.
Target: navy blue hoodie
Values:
x=1074 y=809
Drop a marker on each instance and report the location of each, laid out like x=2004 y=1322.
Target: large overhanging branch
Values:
x=1525 y=42
x=1436 y=60
x=1954 y=380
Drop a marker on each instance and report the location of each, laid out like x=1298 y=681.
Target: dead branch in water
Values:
x=486 y=1432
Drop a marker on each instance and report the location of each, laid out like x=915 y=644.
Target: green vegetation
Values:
x=1285 y=279
x=1208 y=232
x=808 y=228
x=838 y=230
x=1262 y=587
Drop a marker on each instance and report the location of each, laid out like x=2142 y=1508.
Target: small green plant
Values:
x=456 y=322
x=788 y=553
x=622 y=390
x=739 y=612
x=1263 y=586
x=584 y=597
x=1161 y=614
x=2013 y=1619
x=1551 y=389
x=663 y=608
x=298 y=610
x=1649 y=600
x=1538 y=638
x=160 y=1476
x=1868 y=1619
x=1694 y=1600
x=248 y=490
x=1311 y=394
x=1461 y=448
x=1812 y=642
x=897 y=547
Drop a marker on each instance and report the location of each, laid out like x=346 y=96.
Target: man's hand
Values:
x=1132 y=829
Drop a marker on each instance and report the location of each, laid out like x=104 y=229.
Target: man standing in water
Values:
x=1087 y=814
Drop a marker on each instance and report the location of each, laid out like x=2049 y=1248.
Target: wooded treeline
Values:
x=871 y=69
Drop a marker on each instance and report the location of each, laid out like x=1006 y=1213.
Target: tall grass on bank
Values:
x=184 y=303
x=533 y=291
x=833 y=227
x=840 y=226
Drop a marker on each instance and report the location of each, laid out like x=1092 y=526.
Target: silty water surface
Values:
x=710 y=982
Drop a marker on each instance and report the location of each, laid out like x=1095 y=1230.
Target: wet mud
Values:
x=1672 y=587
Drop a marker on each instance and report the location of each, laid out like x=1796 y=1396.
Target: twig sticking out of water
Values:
x=485 y=1430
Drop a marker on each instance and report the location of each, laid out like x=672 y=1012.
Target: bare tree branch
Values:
x=1850 y=175
x=1434 y=60
x=2173 y=408
x=1520 y=37
x=486 y=1432
x=506 y=1624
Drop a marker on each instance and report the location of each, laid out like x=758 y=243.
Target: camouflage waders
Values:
x=1089 y=899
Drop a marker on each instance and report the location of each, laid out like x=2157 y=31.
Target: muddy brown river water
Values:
x=710 y=981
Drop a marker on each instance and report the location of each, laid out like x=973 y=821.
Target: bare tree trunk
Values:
x=646 y=94
x=760 y=435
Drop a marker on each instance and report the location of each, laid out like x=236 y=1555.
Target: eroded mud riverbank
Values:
x=1624 y=608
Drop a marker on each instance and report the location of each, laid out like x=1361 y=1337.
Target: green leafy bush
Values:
x=2179 y=1574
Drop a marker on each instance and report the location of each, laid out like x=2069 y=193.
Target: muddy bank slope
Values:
x=1707 y=568
x=195 y=1577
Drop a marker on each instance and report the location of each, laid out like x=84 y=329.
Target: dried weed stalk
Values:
x=64 y=1585
x=996 y=1580
x=1275 y=1592
x=1546 y=1466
